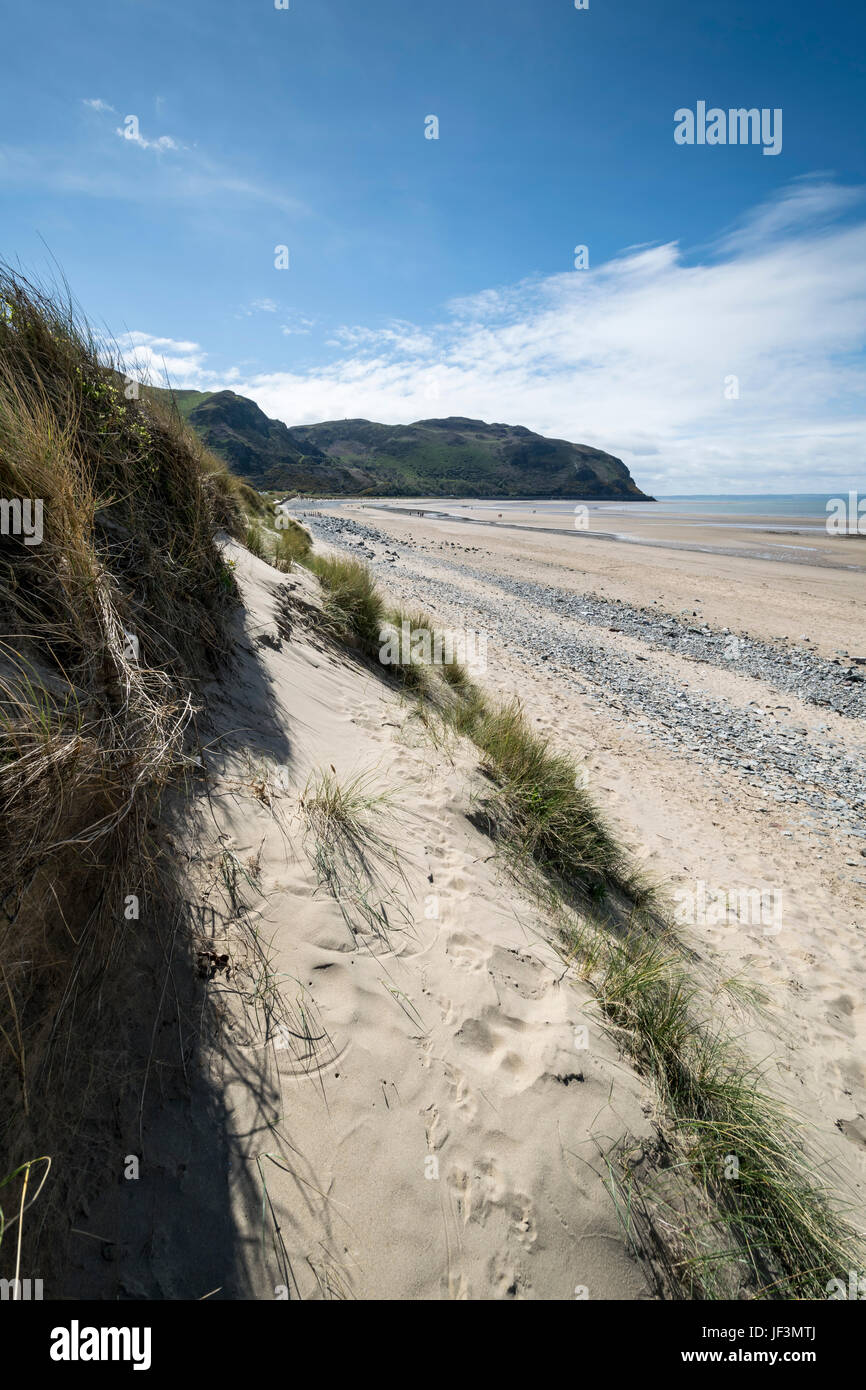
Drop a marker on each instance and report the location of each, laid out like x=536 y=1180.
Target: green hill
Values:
x=456 y=457
x=469 y=458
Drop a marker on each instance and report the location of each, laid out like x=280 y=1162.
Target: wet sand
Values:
x=759 y=575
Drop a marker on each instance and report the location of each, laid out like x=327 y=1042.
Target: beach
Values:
x=413 y=1087
x=730 y=767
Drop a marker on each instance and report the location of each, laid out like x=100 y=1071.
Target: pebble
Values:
x=789 y=765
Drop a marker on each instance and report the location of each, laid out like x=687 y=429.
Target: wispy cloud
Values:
x=189 y=176
x=396 y=337
x=258 y=306
x=162 y=360
x=298 y=324
x=130 y=131
x=807 y=202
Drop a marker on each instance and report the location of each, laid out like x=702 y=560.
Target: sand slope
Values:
x=440 y=1133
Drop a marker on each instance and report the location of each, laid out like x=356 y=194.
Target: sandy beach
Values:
x=745 y=812
x=416 y=1097
x=743 y=570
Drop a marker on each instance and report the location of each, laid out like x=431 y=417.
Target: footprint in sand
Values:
x=506 y=1280
x=460 y=1183
x=484 y=1191
x=512 y=969
x=455 y=883
x=840 y=1014
x=462 y=1097
x=855 y=1131
x=521 y=1214
x=447 y=1009
x=437 y=1132
x=463 y=954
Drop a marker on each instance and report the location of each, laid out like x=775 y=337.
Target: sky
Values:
x=711 y=335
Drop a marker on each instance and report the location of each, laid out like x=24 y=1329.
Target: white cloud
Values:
x=399 y=337
x=806 y=202
x=298 y=324
x=633 y=357
x=193 y=176
x=159 y=361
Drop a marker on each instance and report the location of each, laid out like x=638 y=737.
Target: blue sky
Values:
x=436 y=277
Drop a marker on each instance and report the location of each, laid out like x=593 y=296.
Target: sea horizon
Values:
x=781 y=505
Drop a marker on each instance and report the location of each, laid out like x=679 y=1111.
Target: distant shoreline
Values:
x=790 y=539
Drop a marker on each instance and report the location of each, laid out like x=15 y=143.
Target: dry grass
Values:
x=354 y=862
x=105 y=625
x=765 y=1225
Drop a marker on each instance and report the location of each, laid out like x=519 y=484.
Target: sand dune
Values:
x=410 y=1095
x=444 y=1135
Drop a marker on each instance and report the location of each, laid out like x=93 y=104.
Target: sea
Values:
x=754 y=505
x=743 y=510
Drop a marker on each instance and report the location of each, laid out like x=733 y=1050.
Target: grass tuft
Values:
x=293 y=546
x=254 y=539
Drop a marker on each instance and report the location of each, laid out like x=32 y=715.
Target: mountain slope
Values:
x=462 y=457
x=262 y=450
x=431 y=458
